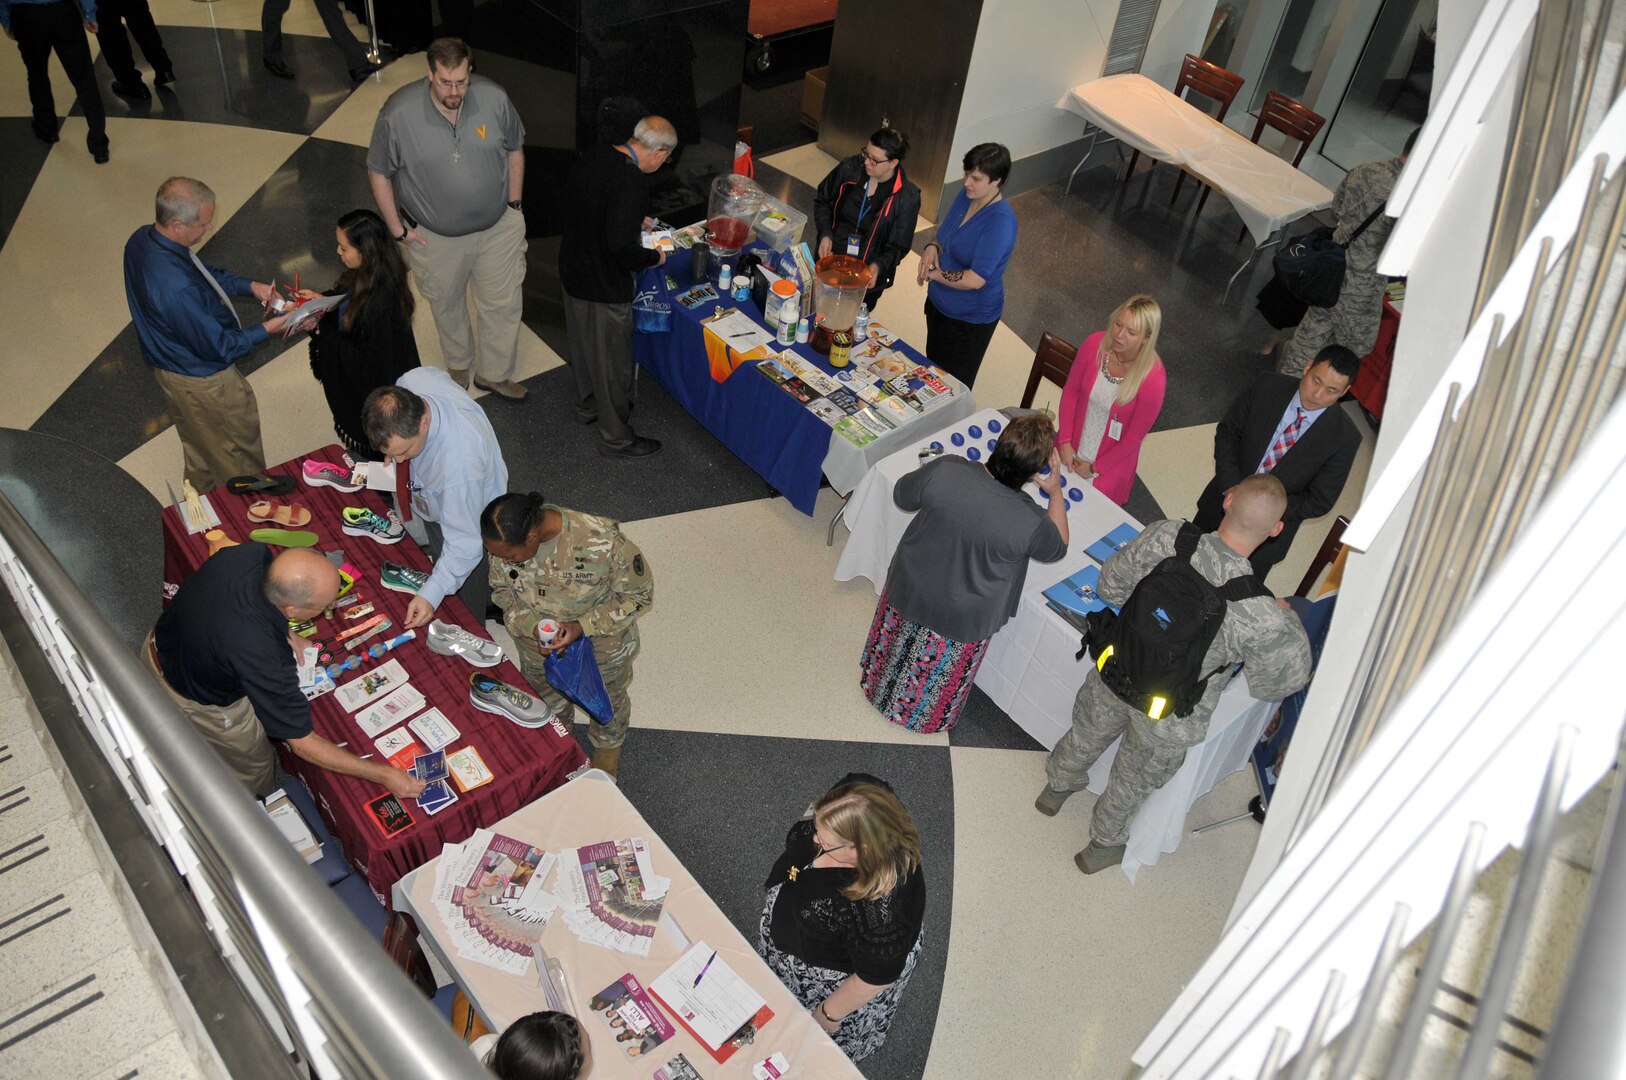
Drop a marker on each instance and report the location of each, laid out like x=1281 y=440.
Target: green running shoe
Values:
x=400 y=578
x=360 y=521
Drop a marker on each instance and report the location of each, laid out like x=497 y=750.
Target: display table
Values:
x=1371 y=387
x=588 y=810
x=765 y=427
x=526 y=762
x=1031 y=668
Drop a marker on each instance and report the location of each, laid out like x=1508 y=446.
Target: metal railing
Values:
x=331 y=996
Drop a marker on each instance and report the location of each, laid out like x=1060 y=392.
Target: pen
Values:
x=705 y=967
x=364 y=757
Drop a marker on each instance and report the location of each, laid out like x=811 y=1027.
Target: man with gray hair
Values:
x=190 y=334
x=447 y=169
x=1258 y=631
x=606 y=202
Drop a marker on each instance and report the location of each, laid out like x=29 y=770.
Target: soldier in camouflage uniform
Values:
x=1353 y=321
x=581 y=571
x=1259 y=632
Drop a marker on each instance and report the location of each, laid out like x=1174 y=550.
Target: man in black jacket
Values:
x=1292 y=429
x=605 y=202
x=867 y=208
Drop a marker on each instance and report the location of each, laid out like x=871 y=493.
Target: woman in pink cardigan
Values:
x=1113 y=395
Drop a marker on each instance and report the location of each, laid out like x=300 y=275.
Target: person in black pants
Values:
x=112 y=18
x=39 y=27
x=355 y=57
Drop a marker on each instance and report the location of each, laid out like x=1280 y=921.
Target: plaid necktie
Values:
x=1284 y=442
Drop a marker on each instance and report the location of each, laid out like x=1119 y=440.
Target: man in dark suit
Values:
x=1292 y=429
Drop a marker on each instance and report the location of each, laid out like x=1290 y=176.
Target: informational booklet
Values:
x=398 y=748
x=488 y=891
x=854 y=432
x=1112 y=543
x=1077 y=593
x=468 y=769
x=387 y=711
x=678 y=1068
x=611 y=894
x=635 y=1025
x=433 y=729
x=707 y=996
x=311 y=309
x=368 y=688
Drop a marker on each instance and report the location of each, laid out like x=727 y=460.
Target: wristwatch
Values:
x=517 y=204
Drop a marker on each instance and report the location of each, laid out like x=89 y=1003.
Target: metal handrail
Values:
x=353 y=1012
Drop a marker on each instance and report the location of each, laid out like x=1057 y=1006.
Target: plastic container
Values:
x=841 y=344
x=839 y=285
x=802 y=331
x=783 y=291
x=780 y=225
x=735 y=204
x=547 y=632
x=725 y=279
x=861 y=323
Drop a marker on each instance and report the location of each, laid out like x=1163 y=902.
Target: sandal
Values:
x=283 y=538
x=280 y=513
x=268 y=485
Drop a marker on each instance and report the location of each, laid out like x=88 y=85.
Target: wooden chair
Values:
x=1324 y=555
x=1281 y=113
x=401 y=943
x=1052 y=360
x=1209 y=80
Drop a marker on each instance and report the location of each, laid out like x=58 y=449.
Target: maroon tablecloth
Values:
x=526 y=763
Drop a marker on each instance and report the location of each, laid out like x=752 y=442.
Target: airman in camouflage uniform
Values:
x=590 y=574
x=1353 y=321
x=1259 y=632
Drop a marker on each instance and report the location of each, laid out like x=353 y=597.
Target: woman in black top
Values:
x=842 y=927
x=366 y=342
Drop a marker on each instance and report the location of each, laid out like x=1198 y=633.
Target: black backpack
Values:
x=1151 y=653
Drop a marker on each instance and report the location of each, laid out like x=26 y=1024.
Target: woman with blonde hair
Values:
x=1113 y=395
x=843 y=923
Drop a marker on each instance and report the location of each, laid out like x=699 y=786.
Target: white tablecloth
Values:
x=846 y=464
x=1030 y=669
x=1267 y=191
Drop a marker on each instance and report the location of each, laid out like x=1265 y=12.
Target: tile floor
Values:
x=746 y=683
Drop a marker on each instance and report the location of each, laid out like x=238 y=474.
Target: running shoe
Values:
x=449 y=640
x=490 y=695
x=327 y=474
x=360 y=521
x=398 y=578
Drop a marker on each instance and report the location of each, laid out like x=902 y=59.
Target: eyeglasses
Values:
x=877 y=162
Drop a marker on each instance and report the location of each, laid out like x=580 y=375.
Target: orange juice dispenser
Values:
x=839 y=284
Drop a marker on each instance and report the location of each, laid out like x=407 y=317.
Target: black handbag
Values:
x=1311 y=267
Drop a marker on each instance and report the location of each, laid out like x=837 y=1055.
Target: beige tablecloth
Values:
x=1267 y=191
x=585 y=811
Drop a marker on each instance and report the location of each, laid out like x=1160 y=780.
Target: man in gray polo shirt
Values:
x=447 y=168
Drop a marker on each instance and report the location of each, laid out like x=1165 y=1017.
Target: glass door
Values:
x=1390 y=90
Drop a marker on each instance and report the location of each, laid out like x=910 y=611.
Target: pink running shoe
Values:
x=327 y=474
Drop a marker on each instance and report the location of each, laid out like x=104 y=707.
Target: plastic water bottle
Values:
x=725 y=278
x=802 y=331
x=861 y=324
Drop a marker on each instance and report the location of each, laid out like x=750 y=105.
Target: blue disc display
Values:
x=1045 y=471
x=991 y=444
x=976 y=432
x=974 y=454
x=1076 y=494
x=957 y=439
x=937 y=446
x=995 y=426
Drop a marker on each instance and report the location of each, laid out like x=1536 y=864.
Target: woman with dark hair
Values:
x=582 y=572
x=866 y=207
x=541 y=1046
x=957 y=574
x=366 y=342
x=844 y=920
x=965 y=265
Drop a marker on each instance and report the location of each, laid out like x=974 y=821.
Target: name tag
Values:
x=852 y=246
x=1115 y=430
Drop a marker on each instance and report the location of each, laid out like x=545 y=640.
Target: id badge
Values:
x=1115 y=430
x=852 y=246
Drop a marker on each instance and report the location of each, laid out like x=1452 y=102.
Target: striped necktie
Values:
x=1284 y=442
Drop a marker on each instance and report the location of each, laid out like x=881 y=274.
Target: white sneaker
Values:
x=449 y=640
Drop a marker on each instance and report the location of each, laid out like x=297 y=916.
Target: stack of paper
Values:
x=291 y=823
x=611 y=894
x=489 y=892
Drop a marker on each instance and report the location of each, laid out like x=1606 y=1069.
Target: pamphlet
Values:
x=468 y=769
x=368 y=688
x=1112 y=543
x=1077 y=593
x=611 y=894
x=434 y=729
x=489 y=893
x=678 y=1069
x=386 y=712
x=634 y=1021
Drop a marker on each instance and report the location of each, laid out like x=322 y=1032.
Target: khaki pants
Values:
x=490 y=265
x=233 y=730
x=218 y=420
x=614 y=653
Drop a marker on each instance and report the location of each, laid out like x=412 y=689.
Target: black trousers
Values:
x=112 y=17
x=39 y=29
x=355 y=55
x=955 y=346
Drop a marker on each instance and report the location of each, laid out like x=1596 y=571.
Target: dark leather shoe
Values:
x=278 y=68
x=132 y=91
x=163 y=78
x=100 y=157
x=46 y=137
x=639 y=447
x=360 y=74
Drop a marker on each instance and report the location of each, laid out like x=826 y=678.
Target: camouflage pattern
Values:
x=591 y=574
x=1353 y=321
x=1257 y=632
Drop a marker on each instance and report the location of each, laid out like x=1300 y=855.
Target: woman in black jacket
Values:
x=366 y=342
x=869 y=204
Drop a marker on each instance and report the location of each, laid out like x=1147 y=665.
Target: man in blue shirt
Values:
x=38 y=26
x=190 y=335
x=440 y=438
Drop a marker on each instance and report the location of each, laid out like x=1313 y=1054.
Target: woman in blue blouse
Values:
x=965 y=265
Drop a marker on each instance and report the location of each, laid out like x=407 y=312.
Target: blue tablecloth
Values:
x=764 y=426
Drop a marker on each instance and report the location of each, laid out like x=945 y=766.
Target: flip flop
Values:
x=269 y=485
x=288 y=538
x=291 y=514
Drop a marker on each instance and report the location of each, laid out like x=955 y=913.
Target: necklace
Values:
x=1106 y=372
